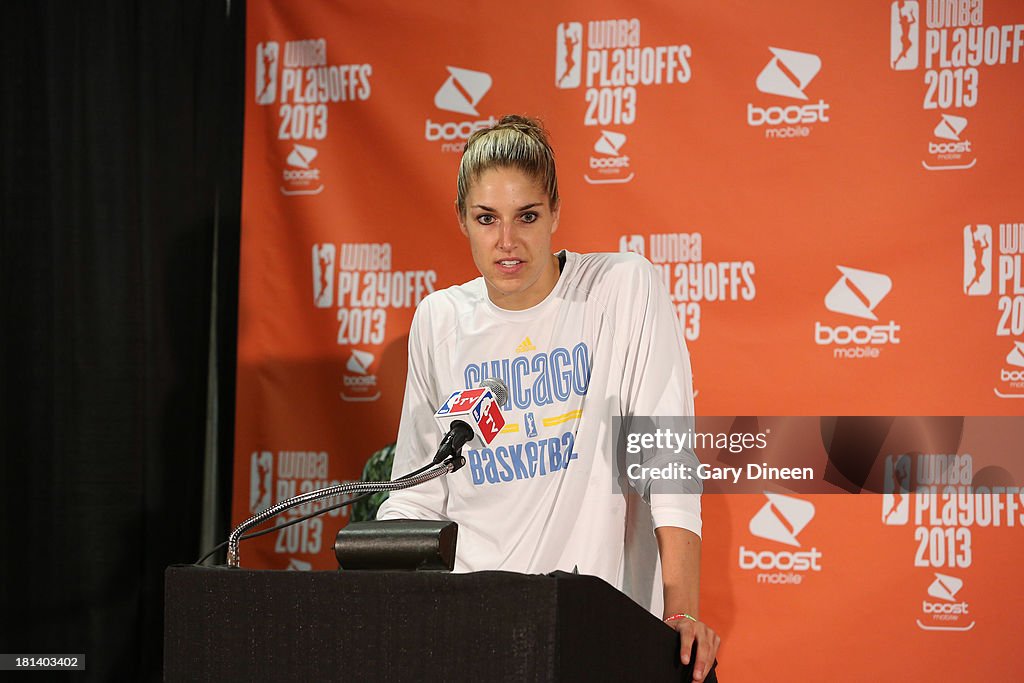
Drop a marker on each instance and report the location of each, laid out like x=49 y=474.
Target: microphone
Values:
x=469 y=413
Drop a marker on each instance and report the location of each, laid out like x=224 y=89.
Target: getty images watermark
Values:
x=660 y=453
x=674 y=442
x=808 y=454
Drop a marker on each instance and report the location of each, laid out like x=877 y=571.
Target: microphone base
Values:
x=397 y=545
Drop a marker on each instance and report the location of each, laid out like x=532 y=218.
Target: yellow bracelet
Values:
x=681 y=615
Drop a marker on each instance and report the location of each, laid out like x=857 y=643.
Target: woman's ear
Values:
x=459 y=218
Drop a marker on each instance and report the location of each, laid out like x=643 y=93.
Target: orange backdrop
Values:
x=831 y=190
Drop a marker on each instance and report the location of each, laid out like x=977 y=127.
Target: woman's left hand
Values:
x=707 y=640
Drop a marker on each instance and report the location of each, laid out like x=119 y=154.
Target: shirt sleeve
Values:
x=418 y=435
x=658 y=383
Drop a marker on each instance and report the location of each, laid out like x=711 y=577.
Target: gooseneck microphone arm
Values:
x=453 y=441
x=447 y=460
x=435 y=471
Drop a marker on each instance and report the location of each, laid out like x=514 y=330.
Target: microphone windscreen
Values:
x=498 y=388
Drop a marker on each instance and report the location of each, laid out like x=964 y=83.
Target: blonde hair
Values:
x=514 y=142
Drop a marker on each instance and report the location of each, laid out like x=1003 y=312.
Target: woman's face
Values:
x=509 y=223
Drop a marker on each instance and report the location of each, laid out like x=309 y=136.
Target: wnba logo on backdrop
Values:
x=988 y=271
x=896 y=491
x=904 y=35
x=610 y=166
x=360 y=385
x=300 y=176
x=261 y=480
x=568 y=54
x=461 y=92
x=267 y=58
x=953 y=149
x=633 y=243
x=978 y=260
x=781 y=519
x=857 y=293
x=787 y=74
x=323 y=275
x=946 y=611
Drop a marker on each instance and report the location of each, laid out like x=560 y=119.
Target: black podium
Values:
x=242 y=625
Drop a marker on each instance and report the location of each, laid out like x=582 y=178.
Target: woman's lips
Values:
x=510 y=266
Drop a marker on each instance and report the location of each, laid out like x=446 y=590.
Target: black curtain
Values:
x=120 y=156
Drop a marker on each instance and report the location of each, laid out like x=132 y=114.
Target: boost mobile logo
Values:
x=903 y=35
x=462 y=91
x=301 y=177
x=950 y=127
x=301 y=156
x=610 y=167
x=781 y=519
x=568 y=53
x=359 y=384
x=609 y=143
x=949 y=156
x=788 y=73
x=857 y=292
x=946 y=614
x=945 y=587
x=1014 y=378
x=266 y=72
x=1016 y=355
x=359 y=362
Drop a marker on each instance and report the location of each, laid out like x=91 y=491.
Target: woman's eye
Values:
x=485 y=219
x=529 y=217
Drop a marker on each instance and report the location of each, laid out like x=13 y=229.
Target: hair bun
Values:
x=514 y=141
x=524 y=124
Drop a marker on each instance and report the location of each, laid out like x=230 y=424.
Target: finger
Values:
x=707 y=650
x=702 y=661
x=686 y=638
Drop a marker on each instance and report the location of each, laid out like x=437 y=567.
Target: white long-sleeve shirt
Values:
x=545 y=494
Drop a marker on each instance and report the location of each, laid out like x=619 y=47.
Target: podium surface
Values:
x=236 y=624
